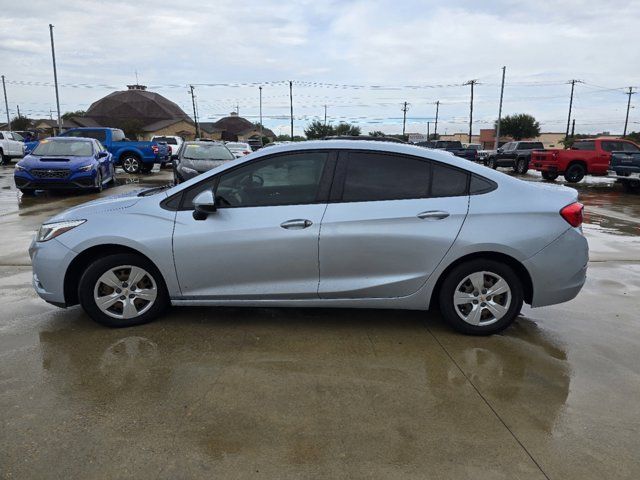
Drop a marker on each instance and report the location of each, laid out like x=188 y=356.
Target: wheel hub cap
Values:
x=125 y=292
x=482 y=298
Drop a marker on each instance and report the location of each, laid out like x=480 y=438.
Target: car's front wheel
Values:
x=481 y=297
x=123 y=290
x=549 y=176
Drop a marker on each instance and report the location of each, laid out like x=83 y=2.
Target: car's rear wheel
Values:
x=131 y=164
x=631 y=186
x=492 y=163
x=122 y=290
x=3 y=160
x=521 y=166
x=481 y=297
x=146 y=167
x=575 y=173
x=549 y=176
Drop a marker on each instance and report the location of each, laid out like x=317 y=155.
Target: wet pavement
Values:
x=314 y=393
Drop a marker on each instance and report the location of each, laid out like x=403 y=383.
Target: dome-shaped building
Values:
x=140 y=113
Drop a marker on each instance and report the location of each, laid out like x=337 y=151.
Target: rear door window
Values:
x=584 y=145
x=612 y=146
x=448 y=181
x=372 y=176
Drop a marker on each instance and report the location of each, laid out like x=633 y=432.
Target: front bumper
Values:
x=559 y=270
x=78 y=180
x=49 y=261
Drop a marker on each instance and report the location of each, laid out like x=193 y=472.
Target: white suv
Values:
x=11 y=146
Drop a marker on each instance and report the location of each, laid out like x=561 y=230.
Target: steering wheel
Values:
x=252 y=180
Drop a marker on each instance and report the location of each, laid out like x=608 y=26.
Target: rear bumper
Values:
x=559 y=270
x=544 y=166
x=625 y=174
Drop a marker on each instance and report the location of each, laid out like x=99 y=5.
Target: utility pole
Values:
x=435 y=128
x=497 y=141
x=18 y=107
x=55 y=77
x=291 y=103
x=6 y=104
x=573 y=84
x=260 y=88
x=573 y=128
x=195 y=115
x=472 y=83
x=428 y=131
x=626 y=120
x=404 y=118
x=325 y=114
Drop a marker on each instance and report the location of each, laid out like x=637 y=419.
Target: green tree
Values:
x=634 y=137
x=347 y=129
x=519 y=126
x=287 y=138
x=20 y=123
x=77 y=113
x=317 y=129
x=377 y=133
x=568 y=141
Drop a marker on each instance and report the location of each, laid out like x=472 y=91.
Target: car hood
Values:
x=107 y=204
x=58 y=161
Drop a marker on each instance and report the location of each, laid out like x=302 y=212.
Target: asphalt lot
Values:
x=312 y=393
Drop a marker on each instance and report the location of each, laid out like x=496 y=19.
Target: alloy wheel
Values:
x=131 y=165
x=482 y=298
x=125 y=292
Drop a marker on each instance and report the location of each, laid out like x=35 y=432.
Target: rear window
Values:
x=207 y=151
x=612 y=146
x=590 y=145
x=532 y=146
x=99 y=135
x=65 y=148
x=448 y=181
x=167 y=140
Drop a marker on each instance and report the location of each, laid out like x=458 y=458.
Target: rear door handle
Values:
x=433 y=215
x=296 y=224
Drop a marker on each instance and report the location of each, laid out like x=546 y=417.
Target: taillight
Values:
x=169 y=149
x=155 y=149
x=247 y=152
x=573 y=214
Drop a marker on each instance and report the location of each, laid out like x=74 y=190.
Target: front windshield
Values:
x=211 y=151
x=67 y=148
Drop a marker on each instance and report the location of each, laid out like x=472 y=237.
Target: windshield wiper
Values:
x=151 y=191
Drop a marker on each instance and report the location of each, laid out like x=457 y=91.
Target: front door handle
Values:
x=296 y=224
x=433 y=215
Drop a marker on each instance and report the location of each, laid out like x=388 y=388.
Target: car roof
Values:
x=70 y=139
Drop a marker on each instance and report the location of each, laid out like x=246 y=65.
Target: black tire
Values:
x=4 y=160
x=492 y=163
x=549 y=176
x=146 y=167
x=113 y=181
x=575 y=173
x=131 y=164
x=521 y=166
x=94 y=271
x=462 y=271
x=28 y=192
x=631 y=186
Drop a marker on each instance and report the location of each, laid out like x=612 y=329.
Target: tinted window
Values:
x=206 y=151
x=630 y=147
x=1 y=136
x=282 y=180
x=167 y=140
x=584 y=146
x=531 y=146
x=448 y=182
x=609 y=146
x=374 y=176
x=480 y=185
x=99 y=135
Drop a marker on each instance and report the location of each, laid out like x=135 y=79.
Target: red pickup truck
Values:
x=590 y=156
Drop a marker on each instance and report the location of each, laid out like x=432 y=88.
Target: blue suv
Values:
x=65 y=163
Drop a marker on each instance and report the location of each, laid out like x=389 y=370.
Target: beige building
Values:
x=460 y=137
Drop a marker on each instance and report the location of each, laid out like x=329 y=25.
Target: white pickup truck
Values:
x=11 y=146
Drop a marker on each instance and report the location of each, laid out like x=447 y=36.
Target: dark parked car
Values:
x=456 y=148
x=516 y=155
x=198 y=157
x=625 y=167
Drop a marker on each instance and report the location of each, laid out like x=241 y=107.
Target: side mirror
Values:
x=103 y=154
x=204 y=204
x=500 y=150
x=174 y=156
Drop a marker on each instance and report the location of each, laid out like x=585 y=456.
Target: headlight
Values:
x=20 y=168
x=86 y=168
x=53 y=230
x=188 y=170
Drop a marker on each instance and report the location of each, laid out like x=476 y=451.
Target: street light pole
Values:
x=55 y=77
x=260 y=88
x=6 y=104
x=435 y=128
x=291 y=102
x=195 y=115
x=626 y=120
x=497 y=141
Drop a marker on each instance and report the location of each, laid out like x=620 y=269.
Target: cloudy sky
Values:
x=362 y=59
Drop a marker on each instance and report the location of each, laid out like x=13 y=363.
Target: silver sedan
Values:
x=322 y=224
